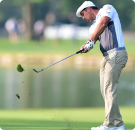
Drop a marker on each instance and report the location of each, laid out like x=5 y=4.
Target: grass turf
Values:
x=53 y=119
x=60 y=119
x=54 y=47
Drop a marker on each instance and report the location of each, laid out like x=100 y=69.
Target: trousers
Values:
x=110 y=70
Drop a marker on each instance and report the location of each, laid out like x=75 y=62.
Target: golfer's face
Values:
x=86 y=15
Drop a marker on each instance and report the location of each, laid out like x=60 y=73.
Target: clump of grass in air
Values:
x=20 y=68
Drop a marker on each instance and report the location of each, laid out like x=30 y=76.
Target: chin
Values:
x=91 y=20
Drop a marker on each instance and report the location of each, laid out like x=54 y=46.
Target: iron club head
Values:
x=57 y=61
x=35 y=70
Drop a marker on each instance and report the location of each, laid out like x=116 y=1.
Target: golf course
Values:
x=60 y=119
x=53 y=47
x=67 y=65
x=56 y=118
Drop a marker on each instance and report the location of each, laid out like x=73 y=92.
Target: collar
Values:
x=98 y=13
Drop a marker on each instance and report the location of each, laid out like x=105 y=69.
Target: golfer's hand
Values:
x=87 y=46
x=85 y=50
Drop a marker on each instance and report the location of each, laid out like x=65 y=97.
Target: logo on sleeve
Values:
x=108 y=9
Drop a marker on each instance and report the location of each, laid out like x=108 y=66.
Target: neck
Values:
x=95 y=12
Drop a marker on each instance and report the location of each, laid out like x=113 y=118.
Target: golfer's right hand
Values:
x=84 y=49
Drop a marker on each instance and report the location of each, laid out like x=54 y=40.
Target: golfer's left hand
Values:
x=88 y=46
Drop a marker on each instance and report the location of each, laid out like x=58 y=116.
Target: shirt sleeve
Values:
x=107 y=11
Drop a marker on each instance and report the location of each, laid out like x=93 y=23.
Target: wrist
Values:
x=92 y=43
x=90 y=40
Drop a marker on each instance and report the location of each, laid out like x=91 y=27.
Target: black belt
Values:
x=112 y=50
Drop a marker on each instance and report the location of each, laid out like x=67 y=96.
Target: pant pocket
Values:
x=121 y=58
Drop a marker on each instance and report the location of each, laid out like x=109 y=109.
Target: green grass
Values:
x=60 y=119
x=53 y=47
x=48 y=46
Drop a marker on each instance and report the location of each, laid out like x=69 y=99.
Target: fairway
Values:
x=54 y=47
x=60 y=119
x=67 y=65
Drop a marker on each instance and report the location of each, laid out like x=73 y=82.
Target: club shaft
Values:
x=57 y=62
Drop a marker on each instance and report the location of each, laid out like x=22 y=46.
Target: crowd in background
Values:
x=16 y=29
x=55 y=18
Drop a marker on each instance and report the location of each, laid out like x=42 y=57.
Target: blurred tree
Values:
x=8 y=10
x=29 y=11
x=67 y=9
x=19 y=9
x=64 y=11
x=125 y=9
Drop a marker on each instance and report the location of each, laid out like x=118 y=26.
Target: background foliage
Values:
x=63 y=9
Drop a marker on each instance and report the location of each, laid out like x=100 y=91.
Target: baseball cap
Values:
x=83 y=6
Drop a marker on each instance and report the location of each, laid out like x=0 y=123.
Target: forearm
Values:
x=100 y=28
x=98 y=31
x=94 y=37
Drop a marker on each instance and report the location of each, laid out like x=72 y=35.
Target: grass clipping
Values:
x=20 y=68
x=17 y=95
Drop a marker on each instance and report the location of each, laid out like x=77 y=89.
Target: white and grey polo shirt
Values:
x=112 y=36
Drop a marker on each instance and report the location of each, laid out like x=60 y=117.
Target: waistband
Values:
x=112 y=50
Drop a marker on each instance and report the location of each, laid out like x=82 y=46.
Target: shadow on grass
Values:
x=14 y=124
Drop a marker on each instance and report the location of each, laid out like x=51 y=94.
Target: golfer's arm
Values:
x=100 y=28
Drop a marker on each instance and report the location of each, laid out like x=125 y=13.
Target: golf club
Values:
x=58 y=61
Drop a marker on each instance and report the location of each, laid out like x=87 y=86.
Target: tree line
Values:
x=64 y=11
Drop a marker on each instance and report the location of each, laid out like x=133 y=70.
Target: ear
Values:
x=89 y=9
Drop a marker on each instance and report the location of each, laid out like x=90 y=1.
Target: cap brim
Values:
x=83 y=6
x=78 y=14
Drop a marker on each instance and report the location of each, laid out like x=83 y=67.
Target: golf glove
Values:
x=89 y=45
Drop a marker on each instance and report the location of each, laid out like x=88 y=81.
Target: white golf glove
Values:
x=89 y=45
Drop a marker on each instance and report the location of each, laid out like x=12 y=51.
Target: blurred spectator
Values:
x=11 y=27
x=50 y=18
x=21 y=26
x=72 y=17
x=39 y=29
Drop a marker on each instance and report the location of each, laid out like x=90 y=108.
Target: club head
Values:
x=35 y=70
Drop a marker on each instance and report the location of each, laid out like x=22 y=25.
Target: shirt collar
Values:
x=98 y=13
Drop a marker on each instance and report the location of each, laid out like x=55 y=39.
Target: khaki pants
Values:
x=110 y=71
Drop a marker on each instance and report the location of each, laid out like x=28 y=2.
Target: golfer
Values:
x=106 y=28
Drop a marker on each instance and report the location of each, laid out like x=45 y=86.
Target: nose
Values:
x=83 y=17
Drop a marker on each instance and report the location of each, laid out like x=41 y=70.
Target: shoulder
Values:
x=108 y=8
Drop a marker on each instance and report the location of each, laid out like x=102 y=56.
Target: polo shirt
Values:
x=112 y=37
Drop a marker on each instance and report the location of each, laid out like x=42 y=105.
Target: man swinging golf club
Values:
x=106 y=28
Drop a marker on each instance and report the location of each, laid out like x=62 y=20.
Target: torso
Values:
x=112 y=36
